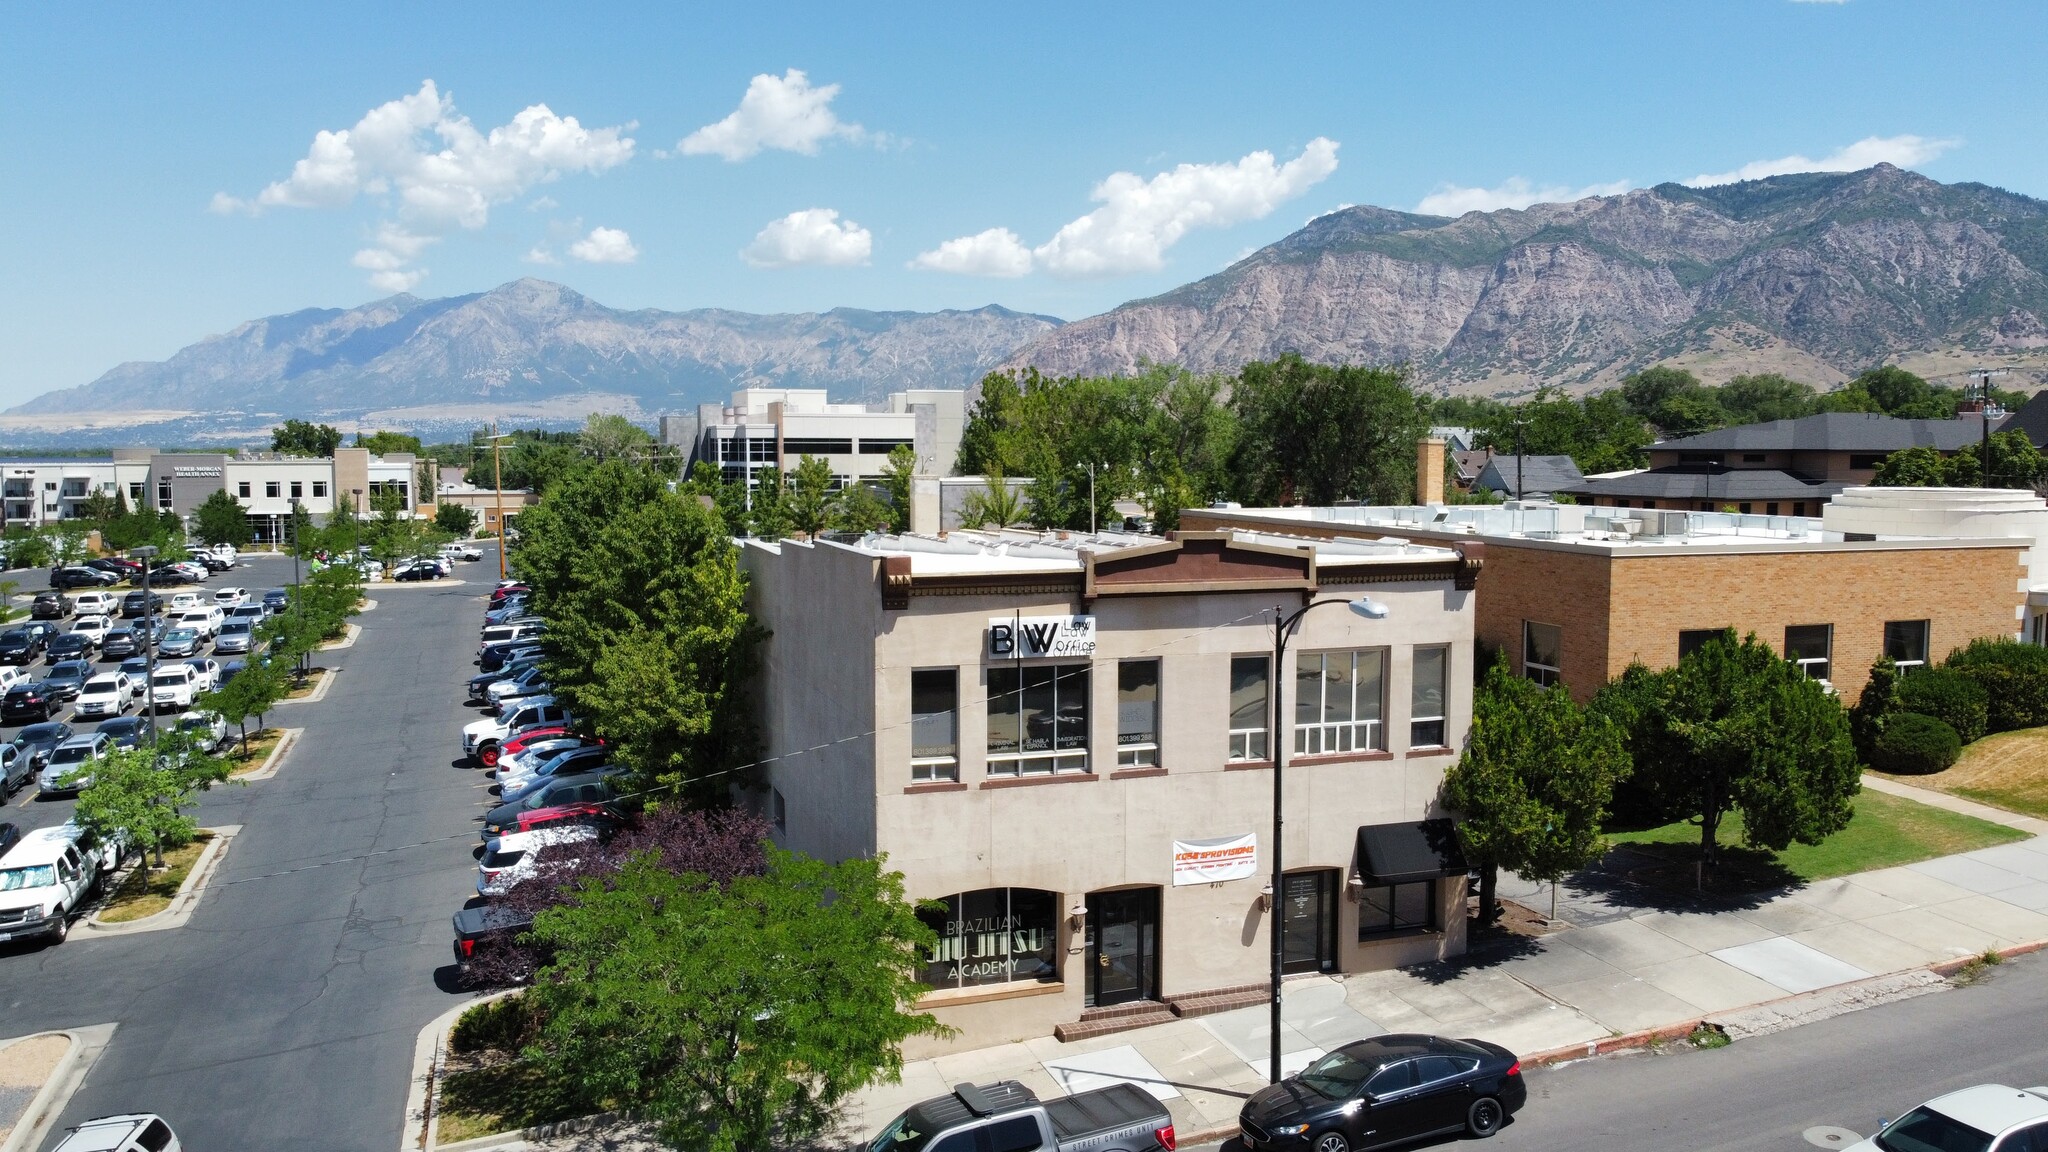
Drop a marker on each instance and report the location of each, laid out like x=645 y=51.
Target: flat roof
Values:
x=1025 y=551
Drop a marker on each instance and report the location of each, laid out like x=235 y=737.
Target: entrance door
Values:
x=1123 y=946
x=1308 y=922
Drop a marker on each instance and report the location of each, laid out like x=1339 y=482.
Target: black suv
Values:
x=50 y=606
x=20 y=646
x=25 y=702
x=81 y=577
x=132 y=605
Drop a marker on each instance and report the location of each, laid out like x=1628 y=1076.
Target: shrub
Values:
x=504 y=1025
x=1948 y=696
x=2014 y=677
x=1915 y=745
x=1880 y=699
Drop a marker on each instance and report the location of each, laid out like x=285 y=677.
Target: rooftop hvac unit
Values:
x=1599 y=524
x=1630 y=526
x=1673 y=524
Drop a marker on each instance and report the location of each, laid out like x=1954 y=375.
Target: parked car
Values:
x=235 y=637
x=206 y=729
x=1386 y=1090
x=50 y=606
x=107 y=694
x=515 y=856
x=125 y=731
x=249 y=611
x=173 y=687
x=525 y=761
x=207 y=672
x=12 y=674
x=70 y=765
x=26 y=702
x=479 y=685
x=20 y=646
x=505 y=693
x=206 y=618
x=528 y=737
x=135 y=1132
x=179 y=641
x=481 y=735
x=127 y=567
x=122 y=643
x=511 y=610
x=35 y=743
x=211 y=562
x=591 y=788
x=462 y=550
x=276 y=600
x=604 y=816
x=67 y=678
x=226 y=598
x=96 y=603
x=507 y=588
x=508 y=633
x=495 y=657
x=480 y=930
x=563 y=764
x=93 y=628
x=170 y=575
x=1119 y=1118
x=137 y=604
x=15 y=771
x=184 y=602
x=70 y=646
x=79 y=576
x=47 y=877
x=1969 y=1120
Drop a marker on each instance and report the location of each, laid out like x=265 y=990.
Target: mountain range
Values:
x=1816 y=275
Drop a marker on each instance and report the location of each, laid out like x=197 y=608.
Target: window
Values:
x=1808 y=645
x=1017 y=1134
x=816 y=446
x=1692 y=640
x=270 y=489
x=155 y=1138
x=1038 y=720
x=1905 y=641
x=1396 y=908
x=1426 y=728
x=993 y=936
x=1248 y=715
x=1137 y=713
x=298 y=489
x=882 y=447
x=1743 y=507
x=761 y=450
x=934 y=725
x=1430 y=1069
x=1770 y=508
x=319 y=489
x=1699 y=457
x=2037 y=628
x=135 y=494
x=731 y=450
x=163 y=493
x=242 y=489
x=1542 y=652
x=1752 y=457
x=778 y=810
x=1398 y=1077
x=1799 y=507
x=1863 y=460
x=1339 y=702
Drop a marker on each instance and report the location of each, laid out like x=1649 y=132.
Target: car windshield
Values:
x=35 y=732
x=1925 y=1130
x=503 y=859
x=102 y=684
x=32 y=876
x=70 y=754
x=72 y=668
x=177 y=635
x=1336 y=1076
x=171 y=679
x=900 y=1136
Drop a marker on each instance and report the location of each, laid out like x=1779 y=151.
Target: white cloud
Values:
x=1905 y=151
x=812 y=236
x=540 y=254
x=605 y=246
x=443 y=173
x=1140 y=219
x=394 y=281
x=543 y=204
x=782 y=112
x=1514 y=192
x=996 y=252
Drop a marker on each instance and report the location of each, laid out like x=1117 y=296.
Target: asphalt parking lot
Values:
x=283 y=1014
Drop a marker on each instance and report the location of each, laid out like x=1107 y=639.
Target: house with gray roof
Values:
x=1516 y=477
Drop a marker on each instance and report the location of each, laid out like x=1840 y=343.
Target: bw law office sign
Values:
x=1039 y=637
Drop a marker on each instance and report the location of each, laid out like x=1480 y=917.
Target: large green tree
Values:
x=221 y=519
x=139 y=793
x=608 y=435
x=1737 y=727
x=726 y=1056
x=385 y=443
x=1534 y=782
x=300 y=438
x=1601 y=433
x=454 y=519
x=810 y=495
x=1316 y=434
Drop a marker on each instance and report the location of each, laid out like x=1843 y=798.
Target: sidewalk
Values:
x=1629 y=960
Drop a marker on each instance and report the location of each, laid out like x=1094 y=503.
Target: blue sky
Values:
x=150 y=197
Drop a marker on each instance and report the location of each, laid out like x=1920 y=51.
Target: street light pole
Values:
x=298 y=591
x=498 y=490
x=147 y=552
x=1283 y=625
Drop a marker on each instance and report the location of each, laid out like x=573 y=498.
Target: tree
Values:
x=1601 y=432
x=769 y=510
x=1735 y=726
x=858 y=509
x=454 y=518
x=1766 y=396
x=2015 y=463
x=1878 y=701
x=253 y=691
x=896 y=481
x=1917 y=467
x=299 y=438
x=1316 y=434
x=138 y=793
x=997 y=505
x=101 y=507
x=1898 y=392
x=221 y=519
x=810 y=495
x=1647 y=390
x=605 y=436
x=731 y=1057
x=385 y=443
x=26 y=549
x=1534 y=783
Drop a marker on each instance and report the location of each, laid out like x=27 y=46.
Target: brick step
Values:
x=1220 y=1000
x=1122 y=1018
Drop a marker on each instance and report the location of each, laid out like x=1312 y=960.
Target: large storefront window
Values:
x=1137 y=713
x=1248 y=712
x=993 y=936
x=934 y=725
x=1396 y=908
x=1338 y=702
x=1038 y=719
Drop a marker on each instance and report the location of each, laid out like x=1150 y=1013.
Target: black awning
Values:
x=1405 y=853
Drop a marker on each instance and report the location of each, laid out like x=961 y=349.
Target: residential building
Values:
x=1779 y=467
x=485 y=503
x=1065 y=738
x=1578 y=594
x=777 y=427
x=1522 y=477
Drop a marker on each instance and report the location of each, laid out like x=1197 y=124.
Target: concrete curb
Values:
x=49 y=1100
x=286 y=737
x=347 y=641
x=427 y=1057
x=183 y=903
x=366 y=606
x=318 y=693
x=444 y=582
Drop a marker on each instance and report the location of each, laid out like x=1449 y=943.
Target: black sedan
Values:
x=80 y=576
x=20 y=646
x=30 y=701
x=166 y=576
x=122 y=643
x=124 y=731
x=70 y=646
x=1386 y=1090
x=66 y=678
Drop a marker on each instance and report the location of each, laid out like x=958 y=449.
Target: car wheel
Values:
x=1332 y=1142
x=488 y=755
x=63 y=928
x=1484 y=1117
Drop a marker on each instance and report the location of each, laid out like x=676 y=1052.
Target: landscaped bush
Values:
x=1948 y=696
x=1915 y=745
x=504 y=1025
x=2014 y=677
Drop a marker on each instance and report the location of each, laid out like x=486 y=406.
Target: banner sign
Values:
x=1038 y=637
x=1211 y=861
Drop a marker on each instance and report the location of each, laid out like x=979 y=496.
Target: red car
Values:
x=490 y=754
x=498 y=594
x=601 y=815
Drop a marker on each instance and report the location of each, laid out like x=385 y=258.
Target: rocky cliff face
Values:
x=1832 y=272
x=532 y=340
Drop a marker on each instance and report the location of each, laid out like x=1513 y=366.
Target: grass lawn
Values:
x=2009 y=771
x=302 y=691
x=491 y=1090
x=260 y=744
x=146 y=892
x=1886 y=831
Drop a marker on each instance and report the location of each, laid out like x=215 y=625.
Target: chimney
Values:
x=1429 y=470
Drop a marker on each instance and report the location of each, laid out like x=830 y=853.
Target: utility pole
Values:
x=498 y=489
x=1984 y=376
x=150 y=635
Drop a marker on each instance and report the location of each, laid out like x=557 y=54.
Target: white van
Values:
x=45 y=878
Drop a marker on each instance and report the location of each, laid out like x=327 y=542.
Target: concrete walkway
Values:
x=1628 y=960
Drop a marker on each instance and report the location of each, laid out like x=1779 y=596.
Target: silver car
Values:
x=234 y=639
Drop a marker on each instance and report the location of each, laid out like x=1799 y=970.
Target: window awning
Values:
x=1405 y=853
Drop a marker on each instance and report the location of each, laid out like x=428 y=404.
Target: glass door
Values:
x=1308 y=922
x=1123 y=946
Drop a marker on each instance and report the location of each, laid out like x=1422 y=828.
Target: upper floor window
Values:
x=1249 y=715
x=270 y=489
x=1137 y=713
x=1809 y=646
x=1542 y=652
x=1427 y=725
x=1038 y=719
x=1691 y=640
x=319 y=489
x=242 y=489
x=298 y=489
x=1905 y=641
x=1339 y=702
x=816 y=446
x=934 y=724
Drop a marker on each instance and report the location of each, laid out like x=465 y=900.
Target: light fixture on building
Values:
x=1077 y=916
x=1354 y=887
x=1266 y=897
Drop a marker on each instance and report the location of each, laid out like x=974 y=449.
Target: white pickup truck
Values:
x=46 y=878
x=1119 y=1118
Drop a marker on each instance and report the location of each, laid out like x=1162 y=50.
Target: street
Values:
x=283 y=1015
x=1764 y=1093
